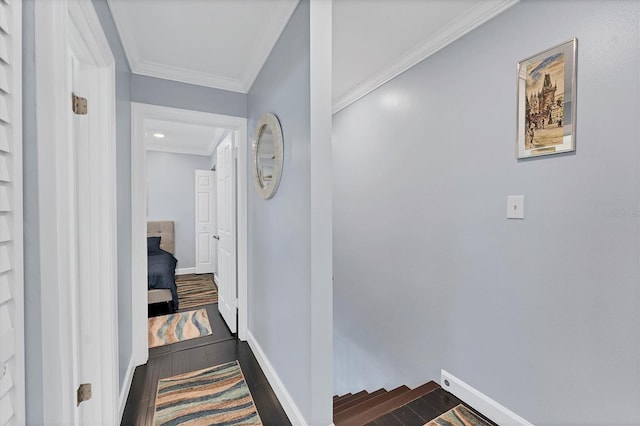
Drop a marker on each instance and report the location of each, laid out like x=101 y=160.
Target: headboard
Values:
x=165 y=230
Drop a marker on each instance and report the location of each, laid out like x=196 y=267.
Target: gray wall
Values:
x=279 y=229
x=171 y=187
x=541 y=314
x=123 y=185
x=157 y=91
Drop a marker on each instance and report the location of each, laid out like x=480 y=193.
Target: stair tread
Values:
x=348 y=404
x=357 y=417
x=367 y=405
x=355 y=397
x=341 y=397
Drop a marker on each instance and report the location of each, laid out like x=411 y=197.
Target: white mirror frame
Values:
x=270 y=120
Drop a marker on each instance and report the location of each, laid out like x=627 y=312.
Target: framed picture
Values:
x=547 y=102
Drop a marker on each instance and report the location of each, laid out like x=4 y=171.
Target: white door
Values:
x=227 y=267
x=206 y=244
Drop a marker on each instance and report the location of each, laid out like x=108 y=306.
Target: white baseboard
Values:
x=185 y=271
x=126 y=386
x=487 y=406
x=289 y=406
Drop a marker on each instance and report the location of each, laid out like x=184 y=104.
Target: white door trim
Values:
x=58 y=24
x=139 y=113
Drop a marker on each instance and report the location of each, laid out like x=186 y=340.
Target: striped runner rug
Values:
x=196 y=290
x=213 y=396
x=167 y=329
x=458 y=416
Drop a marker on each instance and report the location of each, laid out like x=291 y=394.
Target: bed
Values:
x=161 y=263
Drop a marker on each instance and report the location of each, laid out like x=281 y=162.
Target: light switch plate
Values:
x=515 y=207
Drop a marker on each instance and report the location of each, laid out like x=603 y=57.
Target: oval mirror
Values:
x=267 y=155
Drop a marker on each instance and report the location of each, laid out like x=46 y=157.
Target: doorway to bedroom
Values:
x=189 y=210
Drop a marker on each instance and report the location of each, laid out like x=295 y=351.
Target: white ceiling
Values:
x=224 y=43
x=375 y=40
x=214 y=43
x=181 y=137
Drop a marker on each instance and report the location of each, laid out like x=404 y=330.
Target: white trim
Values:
x=321 y=229
x=185 y=75
x=50 y=54
x=58 y=25
x=139 y=295
x=270 y=33
x=287 y=402
x=241 y=143
x=139 y=113
x=487 y=406
x=185 y=271
x=459 y=27
x=126 y=387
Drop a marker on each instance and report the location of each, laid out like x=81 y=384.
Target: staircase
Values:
x=362 y=408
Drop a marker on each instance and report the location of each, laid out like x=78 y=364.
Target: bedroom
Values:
x=177 y=156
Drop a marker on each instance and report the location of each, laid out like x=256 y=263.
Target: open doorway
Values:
x=148 y=131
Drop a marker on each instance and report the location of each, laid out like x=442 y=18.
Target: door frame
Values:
x=58 y=25
x=238 y=125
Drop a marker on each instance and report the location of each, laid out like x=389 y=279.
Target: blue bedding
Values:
x=162 y=273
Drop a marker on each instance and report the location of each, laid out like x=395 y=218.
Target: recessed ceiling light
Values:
x=158 y=135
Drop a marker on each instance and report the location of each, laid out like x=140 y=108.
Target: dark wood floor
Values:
x=196 y=354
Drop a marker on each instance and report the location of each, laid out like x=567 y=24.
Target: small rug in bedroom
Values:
x=458 y=416
x=167 y=329
x=217 y=395
x=196 y=290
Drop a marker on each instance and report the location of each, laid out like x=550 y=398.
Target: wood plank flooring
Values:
x=196 y=354
x=399 y=407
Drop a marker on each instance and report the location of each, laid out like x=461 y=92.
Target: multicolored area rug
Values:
x=173 y=328
x=213 y=396
x=196 y=290
x=458 y=416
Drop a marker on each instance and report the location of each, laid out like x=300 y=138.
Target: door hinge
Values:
x=84 y=392
x=78 y=104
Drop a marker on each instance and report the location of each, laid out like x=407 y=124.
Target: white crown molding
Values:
x=152 y=69
x=184 y=75
x=456 y=29
x=268 y=40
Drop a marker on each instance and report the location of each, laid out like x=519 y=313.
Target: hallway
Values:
x=196 y=354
